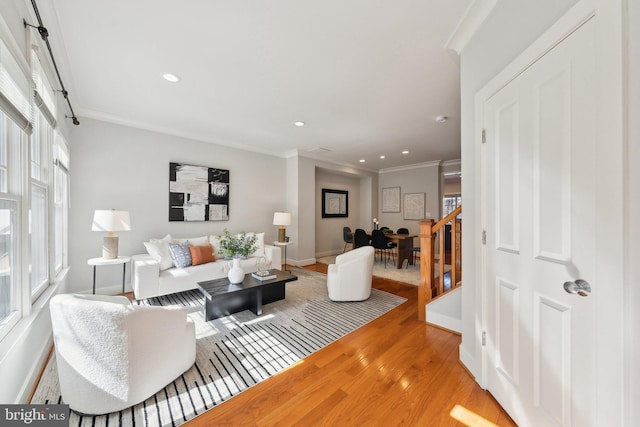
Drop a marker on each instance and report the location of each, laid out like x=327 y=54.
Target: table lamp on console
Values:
x=110 y=221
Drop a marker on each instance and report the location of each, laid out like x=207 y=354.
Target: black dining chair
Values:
x=347 y=236
x=360 y=238
x=402 y=230
x=381 y=244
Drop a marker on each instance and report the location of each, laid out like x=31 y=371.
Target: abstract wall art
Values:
x=198 y=193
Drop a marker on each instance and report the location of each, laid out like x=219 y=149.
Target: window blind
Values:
x=15 y=88
x=44 y=93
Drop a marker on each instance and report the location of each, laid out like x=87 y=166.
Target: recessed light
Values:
x=299 y=124
x=171 y=77
x=405 y=152
x=362 y=160
x=442 y=119
x=382 y=157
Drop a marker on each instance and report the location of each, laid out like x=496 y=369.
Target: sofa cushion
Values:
x=201 y=254
x=159 y=250
x=180 y=254
x=197 y=241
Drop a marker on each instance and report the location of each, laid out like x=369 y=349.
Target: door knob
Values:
x=580 y=287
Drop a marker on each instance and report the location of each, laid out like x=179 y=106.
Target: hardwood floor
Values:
x=393 y=371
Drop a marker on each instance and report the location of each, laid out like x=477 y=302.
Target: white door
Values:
x=540 y=171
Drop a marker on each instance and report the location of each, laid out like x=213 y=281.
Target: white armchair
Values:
x=112 y=355
x=349 y=279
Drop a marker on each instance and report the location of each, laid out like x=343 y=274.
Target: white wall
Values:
x=632 y=214
x=510 y=28
x=329 y=239
x=119 y=167
x=412 y=179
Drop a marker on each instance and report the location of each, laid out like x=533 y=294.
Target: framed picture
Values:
x=335 y=203
x=414 y=205
x=198 y=193
x=391 y=199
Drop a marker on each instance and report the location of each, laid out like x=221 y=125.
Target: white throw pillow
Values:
x=195 y=241
x=215 y=242
x=159 y=250
x=259 y=244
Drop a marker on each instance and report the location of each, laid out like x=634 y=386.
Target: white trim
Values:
x=455 y=162
x=473 y=18
x=108 y=118
x=413 y=166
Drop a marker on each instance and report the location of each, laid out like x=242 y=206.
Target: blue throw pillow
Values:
x=180 y=254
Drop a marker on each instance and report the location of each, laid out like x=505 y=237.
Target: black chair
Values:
x=380 y=243
x=402 y=230
x=414 y=251
x=347 y=236
x=360 y=238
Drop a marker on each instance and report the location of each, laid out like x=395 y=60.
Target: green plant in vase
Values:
x=240 y=246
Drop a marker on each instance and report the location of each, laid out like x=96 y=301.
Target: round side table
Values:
x=95 y=262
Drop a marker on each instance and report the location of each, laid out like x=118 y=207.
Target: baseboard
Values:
x=445 y=322
x=301 y=262
x=328 y=253
x=469 y=362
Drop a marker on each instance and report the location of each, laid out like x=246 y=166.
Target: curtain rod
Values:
x=44 y=34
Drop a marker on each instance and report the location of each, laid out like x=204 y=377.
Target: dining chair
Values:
x=347 y=236
x=380 y=243
x=360 y=238
x=402 y=230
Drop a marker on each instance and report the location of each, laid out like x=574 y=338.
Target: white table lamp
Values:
x=110 y=221
x=281 y=219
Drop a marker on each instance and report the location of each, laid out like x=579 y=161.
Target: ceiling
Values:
x=368 y=78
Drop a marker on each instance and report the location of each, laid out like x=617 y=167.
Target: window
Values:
x=60 y=201
x=449 y=203
x=41 y=140
x=10 y=292
x=34 y=184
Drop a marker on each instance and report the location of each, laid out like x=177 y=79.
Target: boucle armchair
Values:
x=112 y=355
x=349 y=279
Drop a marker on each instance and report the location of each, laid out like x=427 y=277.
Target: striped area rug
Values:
x=238 y=351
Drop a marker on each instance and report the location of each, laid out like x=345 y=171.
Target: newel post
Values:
x=426 y=267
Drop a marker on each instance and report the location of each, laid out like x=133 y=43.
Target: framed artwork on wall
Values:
x=414 y=204
x=335 y=203
x=198 y=193
x=391 y=199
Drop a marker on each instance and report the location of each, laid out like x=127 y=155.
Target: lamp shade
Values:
x=282 y=218
x=111 y=220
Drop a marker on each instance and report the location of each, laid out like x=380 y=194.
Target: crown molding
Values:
x=473 y=18
x=95 y=115
x=414 y=166
x=455 y=162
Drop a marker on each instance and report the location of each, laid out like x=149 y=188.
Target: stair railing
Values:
x=429 y=287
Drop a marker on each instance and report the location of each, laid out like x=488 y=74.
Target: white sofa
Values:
x=112 y=355
x=349 y=279
x=153 y=276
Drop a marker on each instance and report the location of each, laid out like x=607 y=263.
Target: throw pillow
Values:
x=159 y=250
x=194 y=240
x=201 y=254
x=215 y=242
x=259 y=244
x=180 y=254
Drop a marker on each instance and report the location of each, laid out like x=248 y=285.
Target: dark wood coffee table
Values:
x=224 y=298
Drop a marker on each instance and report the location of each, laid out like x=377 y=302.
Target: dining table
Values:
x=404 y=244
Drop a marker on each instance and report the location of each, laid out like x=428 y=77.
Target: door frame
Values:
x=608 y=15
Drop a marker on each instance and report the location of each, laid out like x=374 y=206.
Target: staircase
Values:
x=432 y=233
